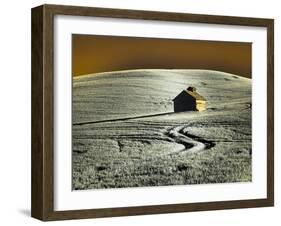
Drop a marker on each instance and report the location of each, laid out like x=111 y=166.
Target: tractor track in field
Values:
x=191 y=142
x=177 y=133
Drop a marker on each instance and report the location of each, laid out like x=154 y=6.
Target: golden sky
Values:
x=95 y=53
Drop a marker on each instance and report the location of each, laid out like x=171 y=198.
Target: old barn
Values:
x=189 y=100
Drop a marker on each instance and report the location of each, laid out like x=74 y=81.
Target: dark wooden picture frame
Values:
x=42 y=203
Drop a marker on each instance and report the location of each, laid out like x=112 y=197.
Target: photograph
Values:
x=138 y=112
x=160 y=112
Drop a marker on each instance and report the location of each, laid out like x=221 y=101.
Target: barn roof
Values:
x=194 y=94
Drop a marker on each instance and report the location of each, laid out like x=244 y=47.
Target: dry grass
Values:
x=151 y=151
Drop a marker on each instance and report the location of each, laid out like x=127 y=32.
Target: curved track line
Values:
x=191 y=143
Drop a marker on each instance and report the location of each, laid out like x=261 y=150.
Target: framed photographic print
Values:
x=141 y=112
